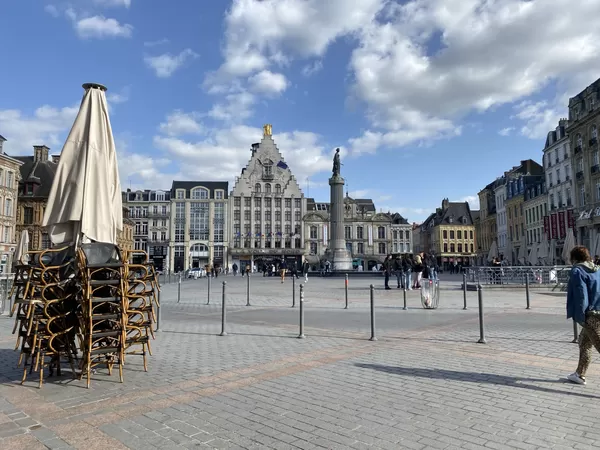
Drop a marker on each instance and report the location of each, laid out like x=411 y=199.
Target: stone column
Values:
x=341 y=259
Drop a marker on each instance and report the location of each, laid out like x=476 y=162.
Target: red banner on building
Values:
x=554 y=225
x=571 y=218
x=562 y=229
x=547 y=227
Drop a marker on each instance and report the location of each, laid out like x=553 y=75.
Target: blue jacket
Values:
x=583 y=291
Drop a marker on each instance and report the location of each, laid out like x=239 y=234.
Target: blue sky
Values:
x=424 y=104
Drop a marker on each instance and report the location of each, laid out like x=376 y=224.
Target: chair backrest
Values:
x=101 y=253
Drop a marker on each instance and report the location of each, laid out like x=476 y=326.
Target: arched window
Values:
x=257 y=188
x=199 y=193
x=278 y=189
x=594 y=132
x=268 y=188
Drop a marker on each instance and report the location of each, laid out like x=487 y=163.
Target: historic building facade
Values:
x=402 y=235
x=488 y=226
x=501 y=223
x=9 y=187
x=198 y=224
x=449 y=234
x=37 y=174
x=267 y=207
x=558 y=169
x=151 y=211
x=368 y=234
x=125 y=239
x=535 y=204
x=582 y=129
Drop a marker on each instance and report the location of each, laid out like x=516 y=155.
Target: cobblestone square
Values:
x=425 y=383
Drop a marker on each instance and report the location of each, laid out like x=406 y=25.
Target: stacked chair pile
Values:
x=86 y=306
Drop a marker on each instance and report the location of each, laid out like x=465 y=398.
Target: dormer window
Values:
x=267 y=170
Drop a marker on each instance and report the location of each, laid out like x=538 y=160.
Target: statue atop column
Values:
x=336 y=163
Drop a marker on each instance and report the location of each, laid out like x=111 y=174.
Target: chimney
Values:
x=40 y=153
x=2 y=140
x=445 y=204
x=55 y=159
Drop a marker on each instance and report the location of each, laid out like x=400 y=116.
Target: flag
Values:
x=282 y=165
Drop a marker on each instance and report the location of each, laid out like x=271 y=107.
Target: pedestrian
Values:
x=282 y=269
x=387 y=270
x=305 y=268
x=398 y=271
x=583 y=306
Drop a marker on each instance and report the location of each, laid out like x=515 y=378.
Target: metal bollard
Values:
x=464 y=291
x=373 y=338
x=208 y=294
x=301 y=335
x=404 y=296
x=293 y=291
x=179 y=288
x=346 y=291
x=527 y=291
x=575 y=333
x=223 y=312
x=481 y=324
x=248 y=289
x=158 y=313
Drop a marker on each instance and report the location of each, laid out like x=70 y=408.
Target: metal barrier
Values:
x=550 y=276
x=6 y=282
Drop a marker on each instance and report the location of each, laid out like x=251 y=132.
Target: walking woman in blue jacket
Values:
x=583 y=306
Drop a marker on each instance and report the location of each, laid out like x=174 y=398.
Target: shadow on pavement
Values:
x=474 y=377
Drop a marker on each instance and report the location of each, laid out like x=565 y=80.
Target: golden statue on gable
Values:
x=267 y=130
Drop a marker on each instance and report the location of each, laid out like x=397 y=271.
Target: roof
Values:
x=2 y=138
x=212 y=186
x=475 y=215
x=453 y=213
x=39 y=172
x=365 y=204
x=398 y=219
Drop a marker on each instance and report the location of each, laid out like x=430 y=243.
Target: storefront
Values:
x=259 y=257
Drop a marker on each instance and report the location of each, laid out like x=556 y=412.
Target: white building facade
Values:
x=558 y=170
x=267 y=206
x=501 y=224
x=199 y=211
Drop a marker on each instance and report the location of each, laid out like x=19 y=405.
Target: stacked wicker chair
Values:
x=103 y=315
x=45 y=307
x=141 y=298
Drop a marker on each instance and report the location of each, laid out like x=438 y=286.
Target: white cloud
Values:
x=235 y=108
x=223 y=152
x=118 y=3
x=52 y=10
x=481 y=55
x=179 y=123
x=473 y=201
x=156 y=43
x=46 y=126
x=311 y=69
x=539 y=118
x=121 y=96
x=506 y=131
x=166 y=64
x=98 y=26
x=267 y=82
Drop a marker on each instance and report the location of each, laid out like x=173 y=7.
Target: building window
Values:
x=268 y=188
x=7 y=233
x=297 y=216
x=445 y=234
x=360 y=248
x=27 y=215
x=288 y=202
x=8 y=207
x=199 y=193
x=471 y=234
x=451 y=234
x=313 y=248
x=277 y=216
x=459 y=234
x=247 y=215
x=359 y=233
x=219 y=222
x=313 y=232
x=257 y=188
x=297 y=203
x=277 y=203
x=180 y=194
x=445 y=248
x=236 y=214
x=459 y=248
x=278 y=189
x=348 y=232
x=257 y=202
x=46 y=242
x=10 y=180
x=381 y=247
x=581 y=196
x=452 y=248
x=237 y=202
x=381 y=233
x=267 y=216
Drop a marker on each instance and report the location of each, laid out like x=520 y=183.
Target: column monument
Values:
x=341 y=259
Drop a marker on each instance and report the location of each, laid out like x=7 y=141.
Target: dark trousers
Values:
x=387 y=279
